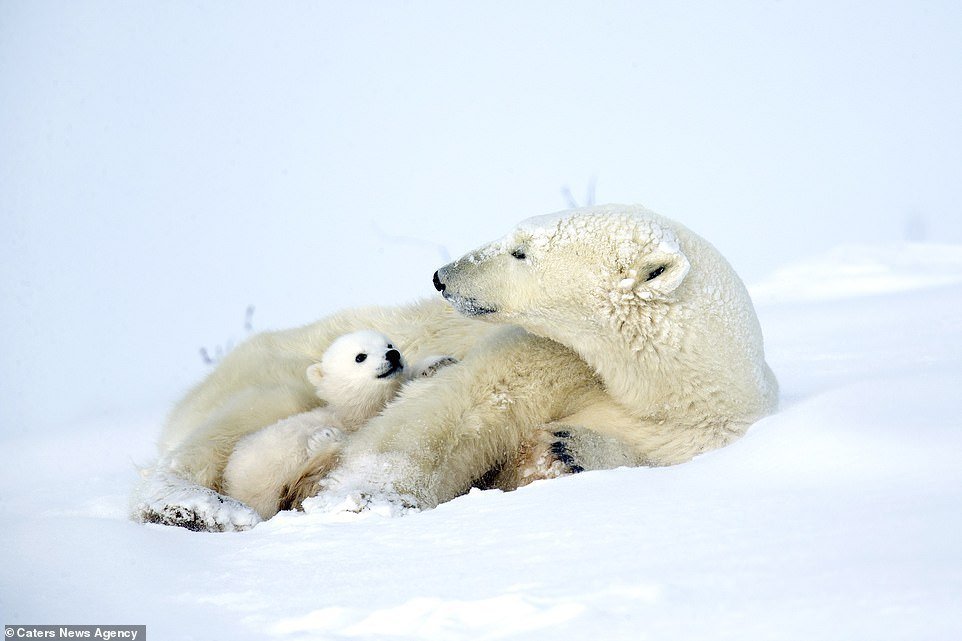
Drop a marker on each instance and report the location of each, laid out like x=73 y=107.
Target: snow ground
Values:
x=836 y=518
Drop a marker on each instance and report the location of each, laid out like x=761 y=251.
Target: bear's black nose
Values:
x=393 y=357
x=438 y=285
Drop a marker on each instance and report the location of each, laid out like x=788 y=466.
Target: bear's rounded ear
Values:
x=315 y=374
x=659 y=272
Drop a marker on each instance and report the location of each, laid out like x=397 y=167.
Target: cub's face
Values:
x=566 y=270
x=359 y=363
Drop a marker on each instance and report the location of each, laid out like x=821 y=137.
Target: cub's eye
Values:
x=360 y=358
x=655 y=273
x=389 y=346
x=519 y=254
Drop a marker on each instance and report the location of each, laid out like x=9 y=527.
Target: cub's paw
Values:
x=428 y=367
x=323 y=438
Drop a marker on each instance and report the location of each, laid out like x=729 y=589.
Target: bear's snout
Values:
x=438 y=285
x=393 y=357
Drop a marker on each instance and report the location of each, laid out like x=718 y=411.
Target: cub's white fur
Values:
x=357 y=376
x=590 y=339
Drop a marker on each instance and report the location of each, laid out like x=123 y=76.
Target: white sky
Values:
x=162 y=166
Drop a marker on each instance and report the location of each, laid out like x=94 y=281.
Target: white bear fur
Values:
x=611 y=336
x=356 y=378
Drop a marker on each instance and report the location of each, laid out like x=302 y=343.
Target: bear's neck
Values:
x=631 y=361
x=625 y=371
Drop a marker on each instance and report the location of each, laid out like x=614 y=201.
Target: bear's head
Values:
x=570 y=273
x=651 y=306
x=358 y=374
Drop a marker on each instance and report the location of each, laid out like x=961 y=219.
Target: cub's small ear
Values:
x=658 y=272
x=315 y=374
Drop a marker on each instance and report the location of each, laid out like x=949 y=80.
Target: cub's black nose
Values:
x=438 y=285
x=393 y=357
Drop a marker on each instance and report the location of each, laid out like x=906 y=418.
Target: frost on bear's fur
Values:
x=590 y=339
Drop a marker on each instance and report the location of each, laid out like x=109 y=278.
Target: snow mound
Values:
x=860 y=270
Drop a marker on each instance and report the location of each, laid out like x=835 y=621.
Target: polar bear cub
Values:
x=357 y=376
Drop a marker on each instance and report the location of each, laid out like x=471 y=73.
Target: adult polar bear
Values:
x=614 y=336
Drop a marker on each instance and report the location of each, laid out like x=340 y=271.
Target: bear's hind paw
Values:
x=549 y=456
x=562 y=452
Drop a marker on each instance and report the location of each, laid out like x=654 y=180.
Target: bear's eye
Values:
x=519 y=254
x=389 y=346
x=655 y=273
x=360 y=358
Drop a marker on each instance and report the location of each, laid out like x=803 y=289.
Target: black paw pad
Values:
x=561 y=452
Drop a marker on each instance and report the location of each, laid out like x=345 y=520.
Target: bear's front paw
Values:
x=199 y=509
x=167 y=498
x=550 y=455
x=428 y=367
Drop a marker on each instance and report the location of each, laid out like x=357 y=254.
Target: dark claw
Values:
x=560 y=450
